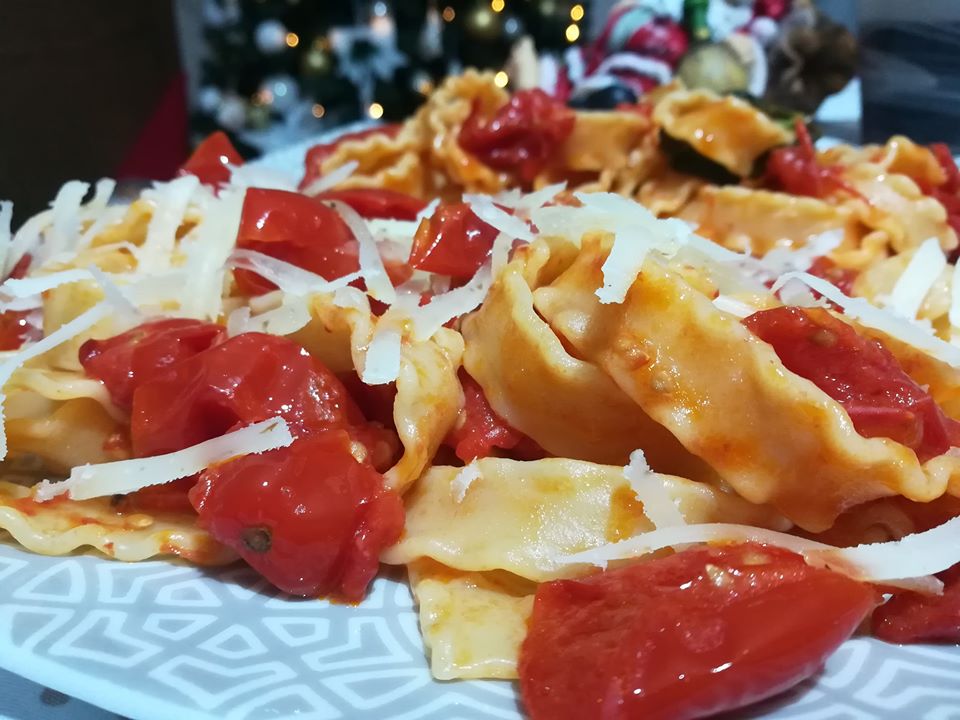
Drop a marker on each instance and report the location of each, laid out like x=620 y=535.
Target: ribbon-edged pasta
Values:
x=521 y=517
x=772 y=435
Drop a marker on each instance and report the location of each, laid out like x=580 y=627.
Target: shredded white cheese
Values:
x=915 y=282
x=780 y=260
x=65 y=220
x=31 y=286
x=382 y=364
x=731 y=305
x=374 y=273
x=463 y=480
x=6 y=218
x=873 y=317
x=906 y=563
x=658 y=506
x=286 y=276
x=331 y=179
x=126 y=476
x=502 y=221
x=172 y=199
x=443 y=308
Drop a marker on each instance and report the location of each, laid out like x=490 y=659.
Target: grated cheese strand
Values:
x=172 y=201
x=914 y=284
x=462 y=481
x=907 y=563
x=126 y=476
x=500 y=220
x=6 y=219
x=286 y=276
x=331 y=179
x=658 y=506
x=378 y=282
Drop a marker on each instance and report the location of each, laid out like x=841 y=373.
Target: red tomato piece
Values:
x=249 y=378
x=297 y=229
x=309 y=517
x=910 y=617
x=842 y=278
x=126 y=361
x=686 y=636
x=522 y=136
x=15 y=330
x=171 y=497
x=860 y=374
x=211 y=160
x=319 y=153
x=482 y=430
x=947 y=193
x=453 y=241
x=796 y=170
x=378 y=202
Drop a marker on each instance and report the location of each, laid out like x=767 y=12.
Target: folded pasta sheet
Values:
x=522 y=517
x=774 y=436
x=66 y=526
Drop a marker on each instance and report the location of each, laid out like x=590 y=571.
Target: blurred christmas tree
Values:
x=278 y=71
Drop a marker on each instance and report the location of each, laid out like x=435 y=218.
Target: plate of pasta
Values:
x=505 y=411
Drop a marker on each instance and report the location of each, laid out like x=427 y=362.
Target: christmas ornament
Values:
x=218 y=15
x=811 y=57
x=365 y=56
x=280 y=92
x=232 y=112
x=270 y=36
x=602 y=93
x=208 y=99
x=714 y=66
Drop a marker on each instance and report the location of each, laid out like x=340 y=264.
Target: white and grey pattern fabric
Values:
x=155 y=640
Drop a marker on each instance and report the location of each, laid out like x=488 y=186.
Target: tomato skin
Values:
x=378 y=202
x=947 y=193
x=310 y=533
x=14 y=328
x=297 y=229
x=700 y=632
x=860 y=374
x=319 y=153
x=125 y=361
x=797 y=171
x=522 y=136
x=453 y=241
x=249 y=378
x=910 y=617
x=482 y=430
x=842 y=278
x=211 y=160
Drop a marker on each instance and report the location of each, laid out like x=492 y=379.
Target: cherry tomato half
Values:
x=211 y=160
x=522 y=136
x=482 y=430
x=378 y=202
x=125 y=361
x=15 y=329
x=796 y=170
x=686 y=636
x=249 y=378
x=453 y=241
x=319 y=153
x=910 y=617
x=860 y=374
x=310 y=517
x=297 y=229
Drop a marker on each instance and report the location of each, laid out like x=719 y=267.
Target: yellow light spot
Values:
x=501 y=79
x=448 y=14
x=318 y=110
x=497 y=5
x=572 y=33
x=375 y=111
x=576 y=13
x=293 y=39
